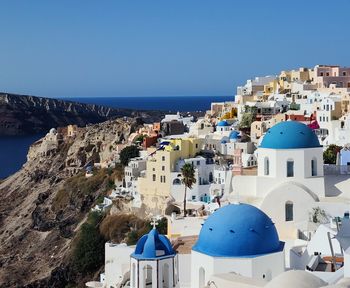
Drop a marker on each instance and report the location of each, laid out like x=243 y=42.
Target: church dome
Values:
x=238 y=230
x=223 y=123
x=234 y=135
x=290 y=135
x=153 y=245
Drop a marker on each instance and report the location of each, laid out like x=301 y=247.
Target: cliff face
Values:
x=43 y=205
x=21 y=114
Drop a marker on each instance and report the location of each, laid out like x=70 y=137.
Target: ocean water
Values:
x=13 y=152
x=165 y=103
x=13 y=149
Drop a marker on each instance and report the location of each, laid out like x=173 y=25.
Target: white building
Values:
x=204 y=168
x=133 y=171
x=290 y=175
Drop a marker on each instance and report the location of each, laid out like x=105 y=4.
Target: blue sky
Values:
x=183 y=47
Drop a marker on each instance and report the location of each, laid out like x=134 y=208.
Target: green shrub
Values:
x=127 y=153
x=88 y=254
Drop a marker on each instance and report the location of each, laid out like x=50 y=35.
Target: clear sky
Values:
x=150 y=47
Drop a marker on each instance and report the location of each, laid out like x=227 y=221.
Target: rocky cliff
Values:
x=20 y=114
x=43 y=205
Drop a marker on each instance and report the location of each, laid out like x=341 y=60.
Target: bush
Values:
x=127 y=153
x=88 y=254
x=247 y=120
x=128 y=228
x=330 y=155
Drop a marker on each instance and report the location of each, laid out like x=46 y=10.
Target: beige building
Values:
x=155 y=185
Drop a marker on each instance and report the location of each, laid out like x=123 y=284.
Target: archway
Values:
x=201 y=278
x=148 y=273
x=165 y=276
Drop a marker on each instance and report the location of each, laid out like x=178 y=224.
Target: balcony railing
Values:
x=331 y=169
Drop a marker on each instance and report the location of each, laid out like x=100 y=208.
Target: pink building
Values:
x=326 y=75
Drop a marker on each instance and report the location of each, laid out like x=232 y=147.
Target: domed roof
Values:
x=153 y=245
x=223 y=123
x=238 y=230
x=296 y=278
x=234 y=135
x=289 y=135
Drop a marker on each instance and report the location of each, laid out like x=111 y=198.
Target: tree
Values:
x=127 y=153
x=188 y=179
x=330 y=155
x=247 y=120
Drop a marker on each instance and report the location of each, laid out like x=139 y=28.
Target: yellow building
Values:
x=155 y=185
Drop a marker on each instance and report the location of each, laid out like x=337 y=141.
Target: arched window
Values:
x=133 y=283
x=147 y=272
x=211 y=178
x=165 y=276
x=289 y=211
x=266 y=166
x=201 y=278
x=290 y=168
x=177 y=181
x=314 y=167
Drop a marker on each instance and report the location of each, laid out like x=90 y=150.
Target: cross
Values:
x=154 y=222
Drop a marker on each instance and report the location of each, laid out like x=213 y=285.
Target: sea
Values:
x=13 y=149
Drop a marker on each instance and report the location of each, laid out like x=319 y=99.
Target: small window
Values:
x=163 y=158
x=289 y=211
x=327 y=74
x=198 y=163
x=313 y=167
x=197 y=144
x=154 y=177
x=163 y=168
x=290 y=168
x=266 y=166
x=344 y=73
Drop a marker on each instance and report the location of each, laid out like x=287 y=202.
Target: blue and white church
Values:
x=154 y=262
x=239 y=239
x=290 y=178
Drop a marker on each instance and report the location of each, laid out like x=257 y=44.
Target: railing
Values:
x=331 y=169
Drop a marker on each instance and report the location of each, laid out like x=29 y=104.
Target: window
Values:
x=154 y=177
x=321 y=73
x=266 y=166
x=163 y=168
x=344 y=73
x=290 y=168
x=327 y=74
x=198 y=163
x=193 y=197
x=163 y=158
x=197 y=144
x=313 y=167
x=177 y=181
x=289 y=211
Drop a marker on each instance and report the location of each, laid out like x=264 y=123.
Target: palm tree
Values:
x=188 y=179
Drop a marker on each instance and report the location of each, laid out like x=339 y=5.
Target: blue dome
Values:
x=234 y=135
x=290 y=135
x=238 y=230
x=223 y=123
x=152 y=246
